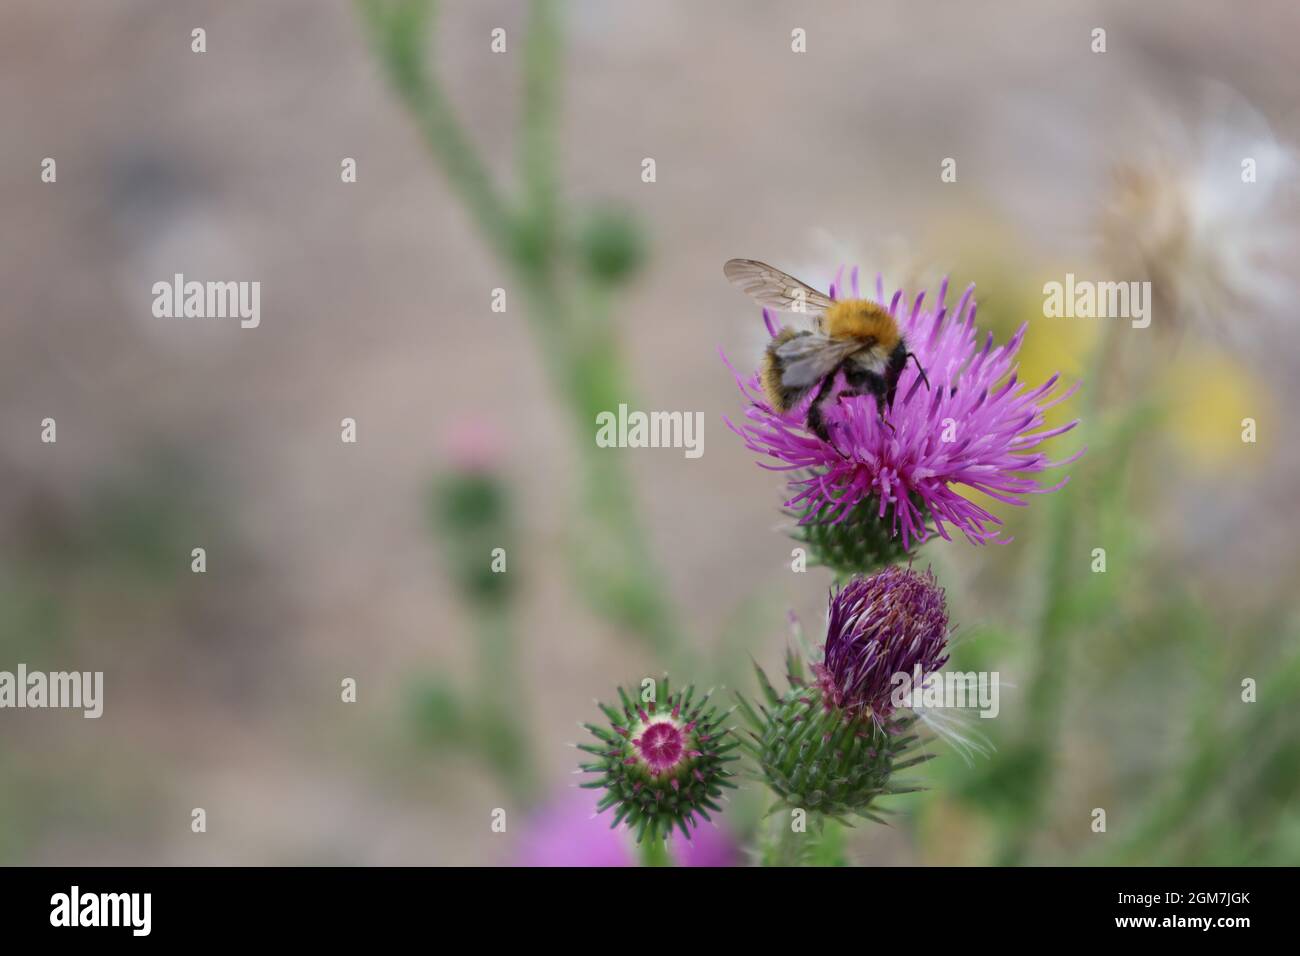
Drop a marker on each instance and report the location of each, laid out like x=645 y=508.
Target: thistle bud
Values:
x=817 y=758
x=471 y=513
x=612 y=245
x=662 y=761
x=832 y=744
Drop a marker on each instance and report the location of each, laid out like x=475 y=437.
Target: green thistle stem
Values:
x=572 y=330
x=398 y=31
x=828 y=846
x=781 y=845
x=654 y=853
x=1047 y=682
x=1207 y=767
x=499 y=694
x=1045 y=700
x=538 y=165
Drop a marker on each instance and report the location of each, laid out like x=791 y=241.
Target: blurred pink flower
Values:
x=567 y=832
x=473 y=445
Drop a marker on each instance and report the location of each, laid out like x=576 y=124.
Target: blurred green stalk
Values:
x=500 y=707
x=568 y=305
x=472 y=515
x=1036 y=754
x=1211 y=765
x=654 y=853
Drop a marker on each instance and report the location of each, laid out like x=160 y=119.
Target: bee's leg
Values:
x=816 y=423
x=920 y=369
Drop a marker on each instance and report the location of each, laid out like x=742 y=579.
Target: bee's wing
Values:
x=807 y=358
x=773 y=288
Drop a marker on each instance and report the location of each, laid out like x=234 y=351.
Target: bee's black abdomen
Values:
x=866 y=382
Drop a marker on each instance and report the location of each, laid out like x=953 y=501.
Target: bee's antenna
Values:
x=919 y=368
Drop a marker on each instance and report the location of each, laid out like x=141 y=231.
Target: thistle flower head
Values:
x=879 y=626
x=662 y=761
x=975 y=426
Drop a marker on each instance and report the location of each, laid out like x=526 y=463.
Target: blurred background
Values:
x=329 y=560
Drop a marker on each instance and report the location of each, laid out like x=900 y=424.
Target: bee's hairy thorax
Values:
x=865 y=320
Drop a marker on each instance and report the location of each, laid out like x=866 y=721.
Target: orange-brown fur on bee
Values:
x=865 y=320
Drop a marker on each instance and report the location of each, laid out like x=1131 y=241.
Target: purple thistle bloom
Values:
x=886 y=624
x=976 y=425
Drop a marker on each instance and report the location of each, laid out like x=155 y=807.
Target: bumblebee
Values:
x=855 y=336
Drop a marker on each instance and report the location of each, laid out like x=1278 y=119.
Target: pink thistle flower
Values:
x=976 y=426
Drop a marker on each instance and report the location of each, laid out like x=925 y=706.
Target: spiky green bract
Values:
x=662 y=760
x=860 y=543
x=818 y=758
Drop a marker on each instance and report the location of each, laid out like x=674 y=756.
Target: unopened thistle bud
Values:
x=662 y=761
x=832 y=745
x=612 y=245
x=472 y=516
x=879 y=627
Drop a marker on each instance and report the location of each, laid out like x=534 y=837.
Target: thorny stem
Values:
x=580 y=358
x=538 y=164
x=397 y=32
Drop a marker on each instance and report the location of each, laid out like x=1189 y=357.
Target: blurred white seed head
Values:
x=1206 y=212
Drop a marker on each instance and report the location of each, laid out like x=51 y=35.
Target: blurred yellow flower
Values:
x=1215 y=393
x=1058 y=345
